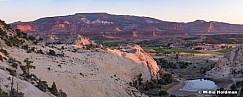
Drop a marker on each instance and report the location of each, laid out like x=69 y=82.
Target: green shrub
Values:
x=53 y=89
x=3 y=33
x=25 y=47
x=62 y=48
x=24 y=69
x=162 y=93
x=14 y=41
x=28 y=65
x=52 y=53
x=42 y=85
x=165 y=79
x=2 y=93
x=12 y=60
x=140 y=79
x=11 y=71
x=14 y=65
x=21 y=34
x=4 y=52
x=39 y=51
x=32 y=38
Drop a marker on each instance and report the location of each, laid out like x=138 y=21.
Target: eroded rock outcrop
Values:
x=24 y=27
x=231 y=63
x=138 y=55
x=82 y=42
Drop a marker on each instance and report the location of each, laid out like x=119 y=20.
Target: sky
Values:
x=230 y=11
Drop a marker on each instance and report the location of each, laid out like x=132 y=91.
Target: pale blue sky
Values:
x=168 y=10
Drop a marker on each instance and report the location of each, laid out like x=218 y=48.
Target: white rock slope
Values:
x=231 y=63
x=91 y=73
x=28 y=89
x=138 y=55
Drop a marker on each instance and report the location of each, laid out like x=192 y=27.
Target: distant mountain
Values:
x=94 y=25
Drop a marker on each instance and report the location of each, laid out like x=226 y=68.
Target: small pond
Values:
x=199 y=84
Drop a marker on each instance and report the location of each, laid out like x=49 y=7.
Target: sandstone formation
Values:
x=138 y=55
x=230 y=64
x=82 y=42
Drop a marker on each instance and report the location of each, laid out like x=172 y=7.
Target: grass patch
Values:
x=167 y=50
x=225 y=50
x=112 y=43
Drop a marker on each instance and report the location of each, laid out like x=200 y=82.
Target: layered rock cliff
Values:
x=93 y=25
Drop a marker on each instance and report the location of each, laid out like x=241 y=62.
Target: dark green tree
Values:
x=62 y=48
x=28 y=65
x=42 y=85
x=140 y=79
x=53 y=89
x=162 y=93
x=52 y=52
x=2 y=93
x=233 y=87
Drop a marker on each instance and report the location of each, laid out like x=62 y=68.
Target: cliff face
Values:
x=231 y=63
x=138 y=55
x=82 y=42
x=103 y=24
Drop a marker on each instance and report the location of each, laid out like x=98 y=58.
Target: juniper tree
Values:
x=28 y=65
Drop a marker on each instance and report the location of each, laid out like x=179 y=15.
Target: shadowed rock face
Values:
x=103 y=24
x=231 y=63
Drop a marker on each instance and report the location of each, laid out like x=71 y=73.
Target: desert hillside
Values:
x=82 y=69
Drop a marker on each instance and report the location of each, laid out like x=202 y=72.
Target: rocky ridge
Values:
x=94 y=25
